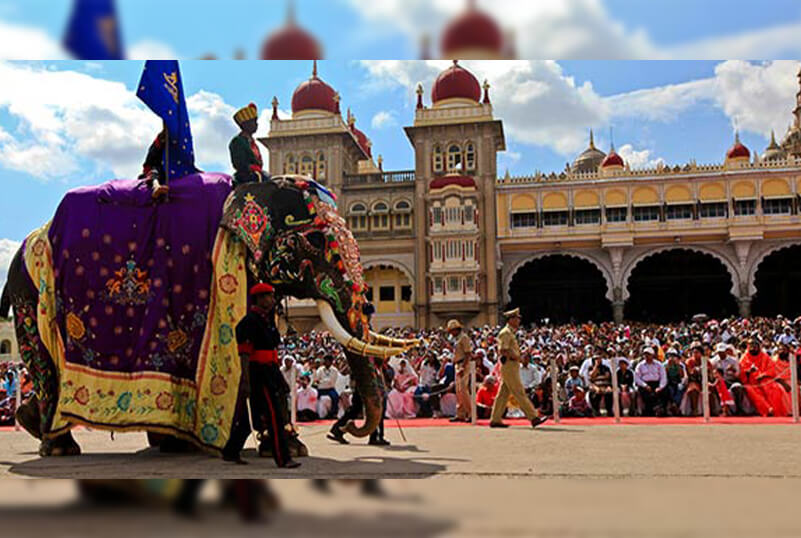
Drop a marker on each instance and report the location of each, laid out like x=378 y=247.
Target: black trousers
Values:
x=352 y=413
x=268 y=390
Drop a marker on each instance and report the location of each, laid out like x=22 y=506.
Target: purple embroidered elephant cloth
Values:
x=132 y=276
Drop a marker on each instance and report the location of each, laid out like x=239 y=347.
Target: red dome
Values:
x=364 y=142
x=738 y=150
x=456 y=82
x=613 y=159
x=314 y=94
x=291 y=43
x=472 y=31
x=446 y=181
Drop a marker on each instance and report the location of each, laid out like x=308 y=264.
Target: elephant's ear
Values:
x=247 y=214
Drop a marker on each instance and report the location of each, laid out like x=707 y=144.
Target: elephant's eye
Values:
x=317 y=240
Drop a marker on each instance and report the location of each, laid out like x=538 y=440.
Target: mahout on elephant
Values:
x=125 y=309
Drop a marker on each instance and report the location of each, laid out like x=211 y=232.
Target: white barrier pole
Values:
x=555 y=390
x=615 y=391
x=794 y=387
x=705 y=387
x=293 y=395
x=473 y=405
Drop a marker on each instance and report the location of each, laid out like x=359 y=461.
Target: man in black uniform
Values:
x=258 y=339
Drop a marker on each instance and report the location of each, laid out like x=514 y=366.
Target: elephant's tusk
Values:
x=382 y=340
x=352 y=344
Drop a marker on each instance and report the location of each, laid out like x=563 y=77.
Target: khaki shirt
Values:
x=507 y=341
x=462 y=350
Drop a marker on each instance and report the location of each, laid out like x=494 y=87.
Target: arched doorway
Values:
x=560 y=288
x=677 y=284
x=778 y=284
x=5 y=347
x=390 y=291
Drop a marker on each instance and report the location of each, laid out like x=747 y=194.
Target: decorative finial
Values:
x=456 y=63
x=737 y=136
x=773 y=138
x=381 y=162
x=419 y=95
x=314 y=69
x=611 y=140
x=486 y=92
x=336 y=103
x=290 y=13
x=592 y=139
x=275 y=108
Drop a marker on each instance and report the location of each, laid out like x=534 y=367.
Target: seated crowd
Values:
x=658 y=370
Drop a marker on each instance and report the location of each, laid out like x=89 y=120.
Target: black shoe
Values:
x=539 y=420
x=338 y=436
x=456 y=419
x=234 y=458
x=498 y=425
x=378 y=442
x=290 y=464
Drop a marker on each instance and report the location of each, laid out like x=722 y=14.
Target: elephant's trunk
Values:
x=370 y=386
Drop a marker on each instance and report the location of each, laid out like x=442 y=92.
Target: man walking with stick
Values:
x=511 y=385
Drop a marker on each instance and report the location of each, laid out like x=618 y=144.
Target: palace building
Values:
x=597 y=241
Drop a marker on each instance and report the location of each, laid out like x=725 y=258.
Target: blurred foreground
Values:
x=479 y=507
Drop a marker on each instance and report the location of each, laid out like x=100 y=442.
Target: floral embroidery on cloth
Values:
x=129 y=286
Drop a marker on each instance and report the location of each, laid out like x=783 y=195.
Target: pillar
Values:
x=745 y=307
x=617 y=311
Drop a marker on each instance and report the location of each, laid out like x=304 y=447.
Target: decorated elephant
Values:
x=125 y=309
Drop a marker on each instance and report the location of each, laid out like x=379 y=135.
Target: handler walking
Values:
x=511 y=385
x=258 y=339
x=462 y=355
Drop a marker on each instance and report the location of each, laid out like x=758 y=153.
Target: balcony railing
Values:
x=382 y=178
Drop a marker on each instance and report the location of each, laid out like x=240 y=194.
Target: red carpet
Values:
x=602 y=421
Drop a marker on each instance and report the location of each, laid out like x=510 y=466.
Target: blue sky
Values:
x=76 y=123
x=392 y=28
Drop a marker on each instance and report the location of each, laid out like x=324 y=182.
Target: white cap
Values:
x=721 y=348
x=648 y=349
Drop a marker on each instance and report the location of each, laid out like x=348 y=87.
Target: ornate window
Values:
x=469 y=214
x=321 y=167
x=436 y=215
x=403 y=214
x=469 y=250
x=380 y=216
x=470 y=156
x=358 y=217
x=436 y=251
x=647 y=213
x=454 y=158
x=470 y=284
x=438 y=288
x=524 y=220
x=454 y=284
x=290 y=165
x=453 y=215
x=439 y=163
x=307 y=166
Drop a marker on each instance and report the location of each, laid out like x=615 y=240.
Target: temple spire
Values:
x=592 y=139
x=314 y=69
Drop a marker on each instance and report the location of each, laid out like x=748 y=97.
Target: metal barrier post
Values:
x=615 y=391
x=705 y=387
x=555 y=390
x=473 y=404
x=794 y=387
x=293 y=395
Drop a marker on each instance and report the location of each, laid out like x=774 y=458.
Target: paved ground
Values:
x=555 y=451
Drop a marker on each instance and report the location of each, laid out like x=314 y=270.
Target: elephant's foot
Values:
x=63 y=445
x=29 y=418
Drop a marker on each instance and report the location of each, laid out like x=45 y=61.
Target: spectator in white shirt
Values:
x=651 y=379
x=325 y=379
x=307 y=400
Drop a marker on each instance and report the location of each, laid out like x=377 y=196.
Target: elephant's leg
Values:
x=169 y=444
x=63 y=445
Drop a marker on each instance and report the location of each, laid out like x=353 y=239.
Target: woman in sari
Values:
x=401 y=397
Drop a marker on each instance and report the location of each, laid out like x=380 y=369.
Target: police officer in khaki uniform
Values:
x=462 y=355
x=511 y=385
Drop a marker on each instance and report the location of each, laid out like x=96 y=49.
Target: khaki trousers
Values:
x=463 y=392
x=511 y=386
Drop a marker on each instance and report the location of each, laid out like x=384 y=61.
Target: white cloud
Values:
x=90 y=118
x=639 y=159
x=384 y=119
x=18 y=42
x=8 y=249
x=149 y=49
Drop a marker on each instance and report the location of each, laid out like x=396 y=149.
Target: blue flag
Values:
x=93 y=32
x=162 y=89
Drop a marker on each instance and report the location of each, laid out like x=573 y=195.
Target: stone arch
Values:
x=729 y=264
x=5 y=347
x=601 y=265
x=395 y=264
x=615 y=198
x=678 y=194
x=523 y=202
x=775 y=188
x=712 y=192
x=586 y=199
x=763 y=254
x=645 y=196
x=554 y=200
